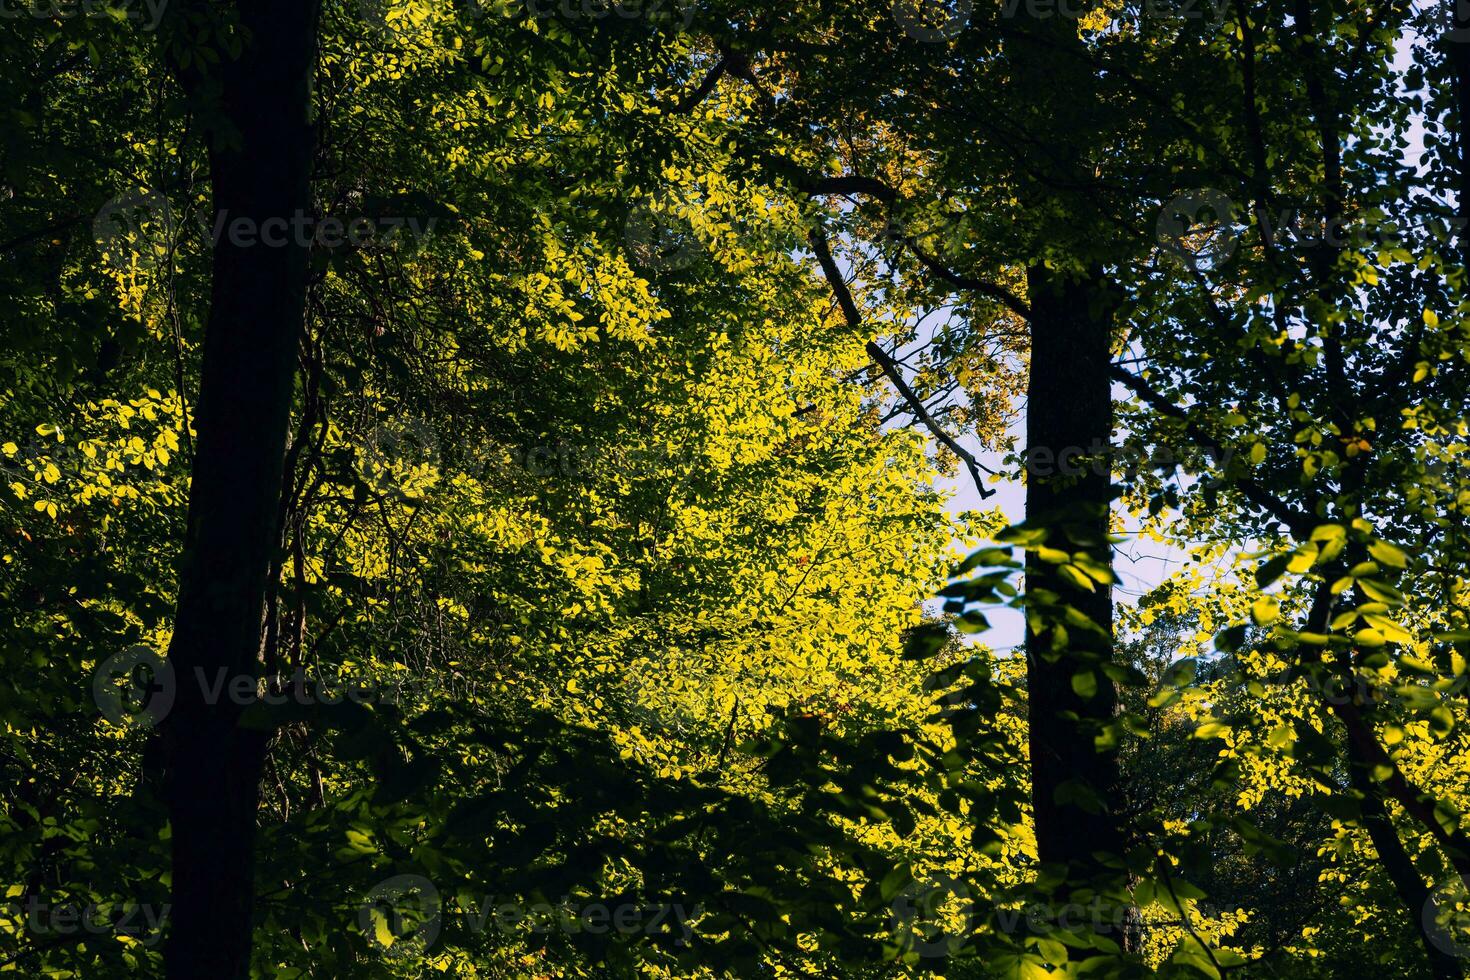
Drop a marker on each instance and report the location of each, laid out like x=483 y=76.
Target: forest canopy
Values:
x=667 y=488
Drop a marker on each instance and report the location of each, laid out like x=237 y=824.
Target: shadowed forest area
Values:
x=524 y=489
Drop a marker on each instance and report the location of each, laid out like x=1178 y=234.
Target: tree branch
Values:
x=895 y=374
x=1301 y=524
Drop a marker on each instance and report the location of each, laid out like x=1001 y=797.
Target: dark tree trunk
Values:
x=1398 y=865
x=1459 y=51
x=260 y=162
x=1069 y=422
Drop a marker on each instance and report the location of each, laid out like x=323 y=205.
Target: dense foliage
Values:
x=535 y=551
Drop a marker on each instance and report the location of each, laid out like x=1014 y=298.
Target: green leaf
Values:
x=1084 y=683
x=1388 y=554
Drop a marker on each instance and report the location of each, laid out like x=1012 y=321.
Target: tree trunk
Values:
x=1069 y=422
x=260 y=163
x=1398 y=865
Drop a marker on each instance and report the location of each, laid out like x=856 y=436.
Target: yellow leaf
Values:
x=1265 y=611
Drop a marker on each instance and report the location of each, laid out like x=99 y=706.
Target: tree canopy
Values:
x=507 y=488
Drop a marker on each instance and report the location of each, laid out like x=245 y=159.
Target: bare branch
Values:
x=894 y=372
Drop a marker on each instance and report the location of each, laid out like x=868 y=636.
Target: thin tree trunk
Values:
x=260 y=162
x=1069 y=421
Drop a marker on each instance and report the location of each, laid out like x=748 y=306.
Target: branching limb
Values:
x=895 y=374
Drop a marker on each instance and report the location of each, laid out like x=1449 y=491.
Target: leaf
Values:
x=1388 y=554
x=1392 y=632
x=1084 y=684
x=1265 y=611
x=1381 y=591
x=1074 y=576
x=1272 y=570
